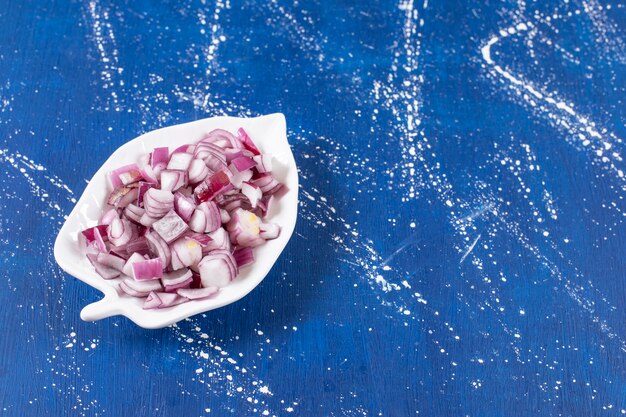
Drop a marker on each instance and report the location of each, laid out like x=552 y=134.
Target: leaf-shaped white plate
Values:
x=268 y=132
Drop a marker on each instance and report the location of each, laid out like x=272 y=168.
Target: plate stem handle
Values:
x=104 y=308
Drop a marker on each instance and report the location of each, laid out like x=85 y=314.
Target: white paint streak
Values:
x=104 y=38
x=470 y=249
x=576 y=122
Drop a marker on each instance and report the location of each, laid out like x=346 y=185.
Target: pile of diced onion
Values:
x=179 y=225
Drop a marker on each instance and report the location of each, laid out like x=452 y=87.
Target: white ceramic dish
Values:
x=270 y=135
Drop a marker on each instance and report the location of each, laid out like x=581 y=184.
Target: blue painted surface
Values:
x=460 y=249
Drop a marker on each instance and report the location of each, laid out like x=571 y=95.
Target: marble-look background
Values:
x=460 y=247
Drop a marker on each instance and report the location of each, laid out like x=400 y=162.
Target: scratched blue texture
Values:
x=460 y=245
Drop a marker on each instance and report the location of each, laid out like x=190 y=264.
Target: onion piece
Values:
x=197 y=223
x=213 y=215
x=197 y=293
x=225 y=216
x=152 y=301
x=129 y=198
x=219 y=240
x=157 y=203
x=128 y=266
x=124 y=175
x=184 y=148
x=120 y=232
x=211 y=155
x=215 y=164
x=187 y=192
x=99 y=239
x=131 y=176
x=150 y=175
x=89 y=234
x=175 y=263
x=108 y=216
x=201 y=238
x=133 y=293
x=185 y=252
x=144 y=160
x=263 y=163
x=231 y=154
x=247 y=142
x=243 y=256
x=148 y=269
x=139 y=245
x=206 y=218
x=170 y=227
x=134 y=213
x=214 y=185
x=123 y=195
x=119 y=254
x=172 y=180
x=267 y=183
x=157 y=171
x=177 y=279
x=235 y=201
x=265 y=205
x=169 y=299
x=203 y=148
x=221 y=138
x=198 y=171
x=180 y=161
x=146 y=220
x=244 y=228
x=243 y=163
x=104 y=271
x=217 y=269
x=269 y=231
x=143 y=187
x=143 y=286
x=159 y=156
x=253 y=192
x=111 y=261
x=159 y=248
x=184 y=206
x=239 y=176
